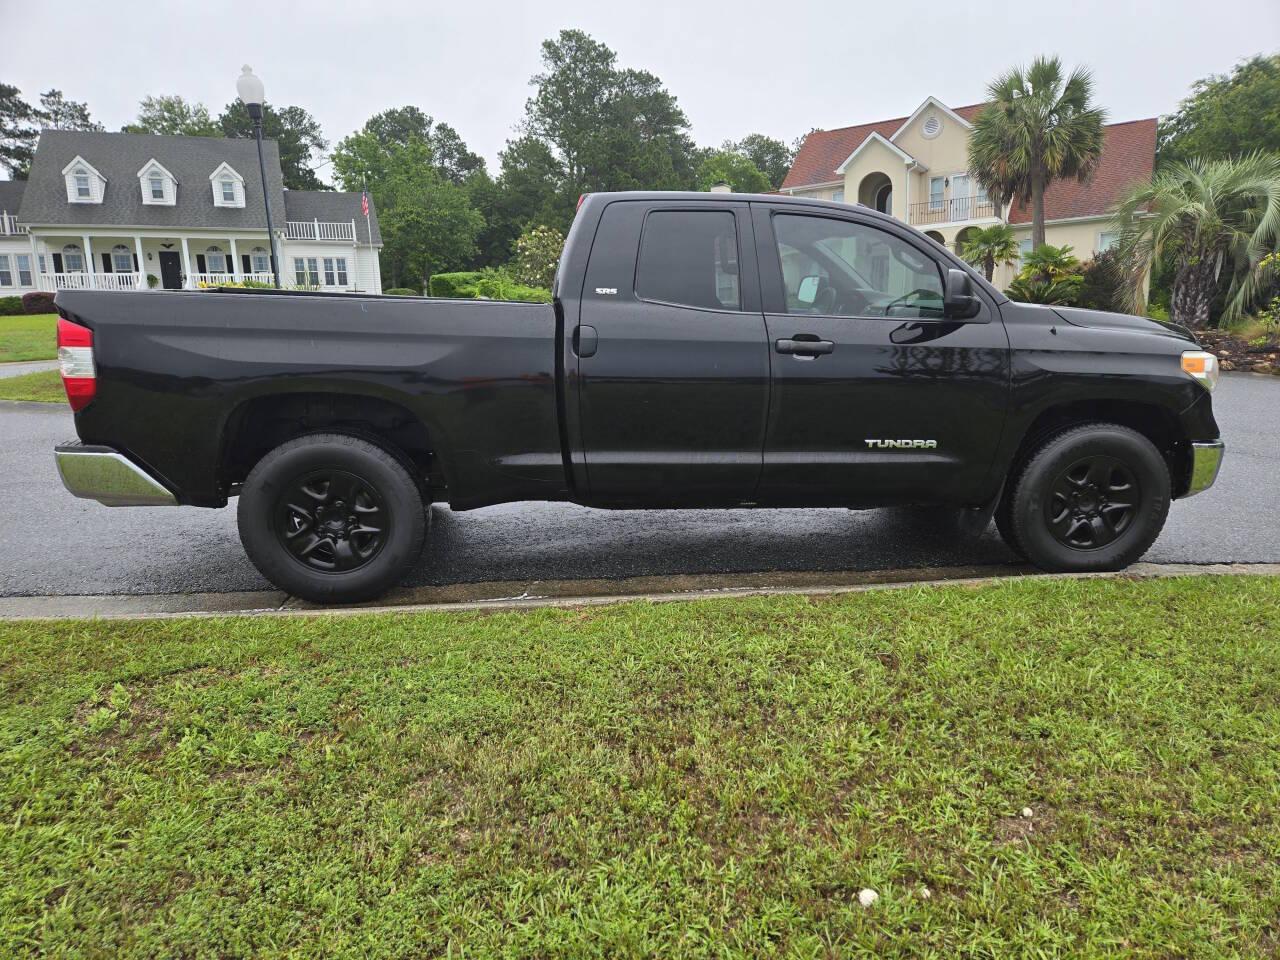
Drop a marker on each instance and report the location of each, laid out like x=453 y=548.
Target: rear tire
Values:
x=1091 y=498
x=331 y=518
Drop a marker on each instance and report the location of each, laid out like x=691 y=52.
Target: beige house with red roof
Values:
x=916 y=169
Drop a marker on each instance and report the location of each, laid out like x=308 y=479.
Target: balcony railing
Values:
x=9 y=226
x=952 y=211
x=89 y=281
x=320 y=230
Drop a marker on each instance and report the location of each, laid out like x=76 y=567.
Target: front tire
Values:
x=1091 y=498
x=331 y=518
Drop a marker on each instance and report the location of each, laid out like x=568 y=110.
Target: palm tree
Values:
x=991 y=247
x=1190 y=218
x=1049 y=274
x=1037 y=128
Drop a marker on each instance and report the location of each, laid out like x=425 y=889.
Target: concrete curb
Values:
x=471 y=597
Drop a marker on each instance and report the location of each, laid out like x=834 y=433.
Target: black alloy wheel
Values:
x=1093 y=496
x=331 y=520
x=1092 y=502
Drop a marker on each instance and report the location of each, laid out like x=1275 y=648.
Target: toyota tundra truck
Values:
x=701 y=350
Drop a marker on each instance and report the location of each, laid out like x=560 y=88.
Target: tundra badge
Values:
x=902 y=444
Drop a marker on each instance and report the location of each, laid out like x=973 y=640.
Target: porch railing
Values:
x=952 y=211
x=218 y=279
x=89 y=281
x=320 y=230
x=9 y=226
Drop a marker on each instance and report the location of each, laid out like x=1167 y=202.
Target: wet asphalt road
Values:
x=52 y=543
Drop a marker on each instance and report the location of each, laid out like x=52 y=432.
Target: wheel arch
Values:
x=1155 y=422
x=258 y=424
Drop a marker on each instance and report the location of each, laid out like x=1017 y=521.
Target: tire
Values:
x=1004 y=524
x=1093 y=497
x=331 y=518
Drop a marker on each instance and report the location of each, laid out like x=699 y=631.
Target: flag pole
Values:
x=368 y=224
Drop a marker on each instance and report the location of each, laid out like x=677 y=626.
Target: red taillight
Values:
x=75 y=362
x=581 y=197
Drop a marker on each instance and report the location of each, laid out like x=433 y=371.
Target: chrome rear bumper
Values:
x=106 y=475
x=1206 y=460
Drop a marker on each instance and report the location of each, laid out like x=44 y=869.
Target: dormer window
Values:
x=228 y=187
x=158 y=185
x=84 y=183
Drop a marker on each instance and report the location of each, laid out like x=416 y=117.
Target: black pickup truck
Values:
x=702 y=350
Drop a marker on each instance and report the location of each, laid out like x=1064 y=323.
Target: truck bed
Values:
x=177 y=369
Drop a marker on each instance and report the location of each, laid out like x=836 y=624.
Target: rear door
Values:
x=876 y=398
x=672 y=357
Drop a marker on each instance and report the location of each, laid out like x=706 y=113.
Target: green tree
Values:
x=771 y=157
x=365 y=152
x=171 y=116
x=1225 y=116
x=990 y=247
x=1194 y=218
x=295 y=131
x=1038 y=127
x=605 y=128
x=734 y=169
x=18 y=132
x=59 y=113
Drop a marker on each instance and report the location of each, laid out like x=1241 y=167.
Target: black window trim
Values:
x=942 y=265
x=739 y=213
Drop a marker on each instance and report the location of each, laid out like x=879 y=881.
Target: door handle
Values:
x=803 y=345
x=585 y=340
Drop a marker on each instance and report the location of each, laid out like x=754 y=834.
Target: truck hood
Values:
x=1101 y=319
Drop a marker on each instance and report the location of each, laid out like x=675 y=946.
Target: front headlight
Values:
x=1201 y=365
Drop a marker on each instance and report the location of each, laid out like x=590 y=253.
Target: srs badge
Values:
x=902 y=444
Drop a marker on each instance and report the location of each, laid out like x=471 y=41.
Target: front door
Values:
x=961 y=199
x=671 y=357
x=876 y=398
x=170 y=270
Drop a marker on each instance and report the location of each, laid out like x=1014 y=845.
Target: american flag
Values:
x=364 y=201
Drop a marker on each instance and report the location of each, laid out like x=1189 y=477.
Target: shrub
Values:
x=537 y=255
x=1049 y=274
x=1103 y=284
x=40 y=301
x=10 y=306
x=401 y=292
x=152 y=281
x=455 y=286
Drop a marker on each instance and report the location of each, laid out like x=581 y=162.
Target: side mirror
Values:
x=808 y=291
x=959 y=302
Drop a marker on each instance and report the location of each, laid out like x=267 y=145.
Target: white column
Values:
x=36 y=273
x=88 y=257
x=142 y=263
x=235 y=262
x=186 y=266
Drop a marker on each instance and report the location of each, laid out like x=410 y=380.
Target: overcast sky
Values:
x=779 y=68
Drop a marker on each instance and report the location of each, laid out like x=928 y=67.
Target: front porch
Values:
x=110 y=260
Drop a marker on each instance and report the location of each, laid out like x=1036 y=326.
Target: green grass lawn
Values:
x=711 y=779
x=44 y=386
x=32 y=337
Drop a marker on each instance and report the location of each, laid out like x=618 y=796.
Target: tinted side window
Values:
x=843 y=269
x=691 y=258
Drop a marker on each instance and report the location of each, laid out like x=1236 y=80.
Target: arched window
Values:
x=884 y=199
x=215 y=261
x=260 y=260
x=72 y=258
x=121 y=259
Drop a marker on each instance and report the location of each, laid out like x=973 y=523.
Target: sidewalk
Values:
x=26 y=366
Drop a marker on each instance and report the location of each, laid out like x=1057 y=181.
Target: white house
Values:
x=121 y=211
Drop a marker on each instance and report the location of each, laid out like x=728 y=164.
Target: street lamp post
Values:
x=252 y=95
